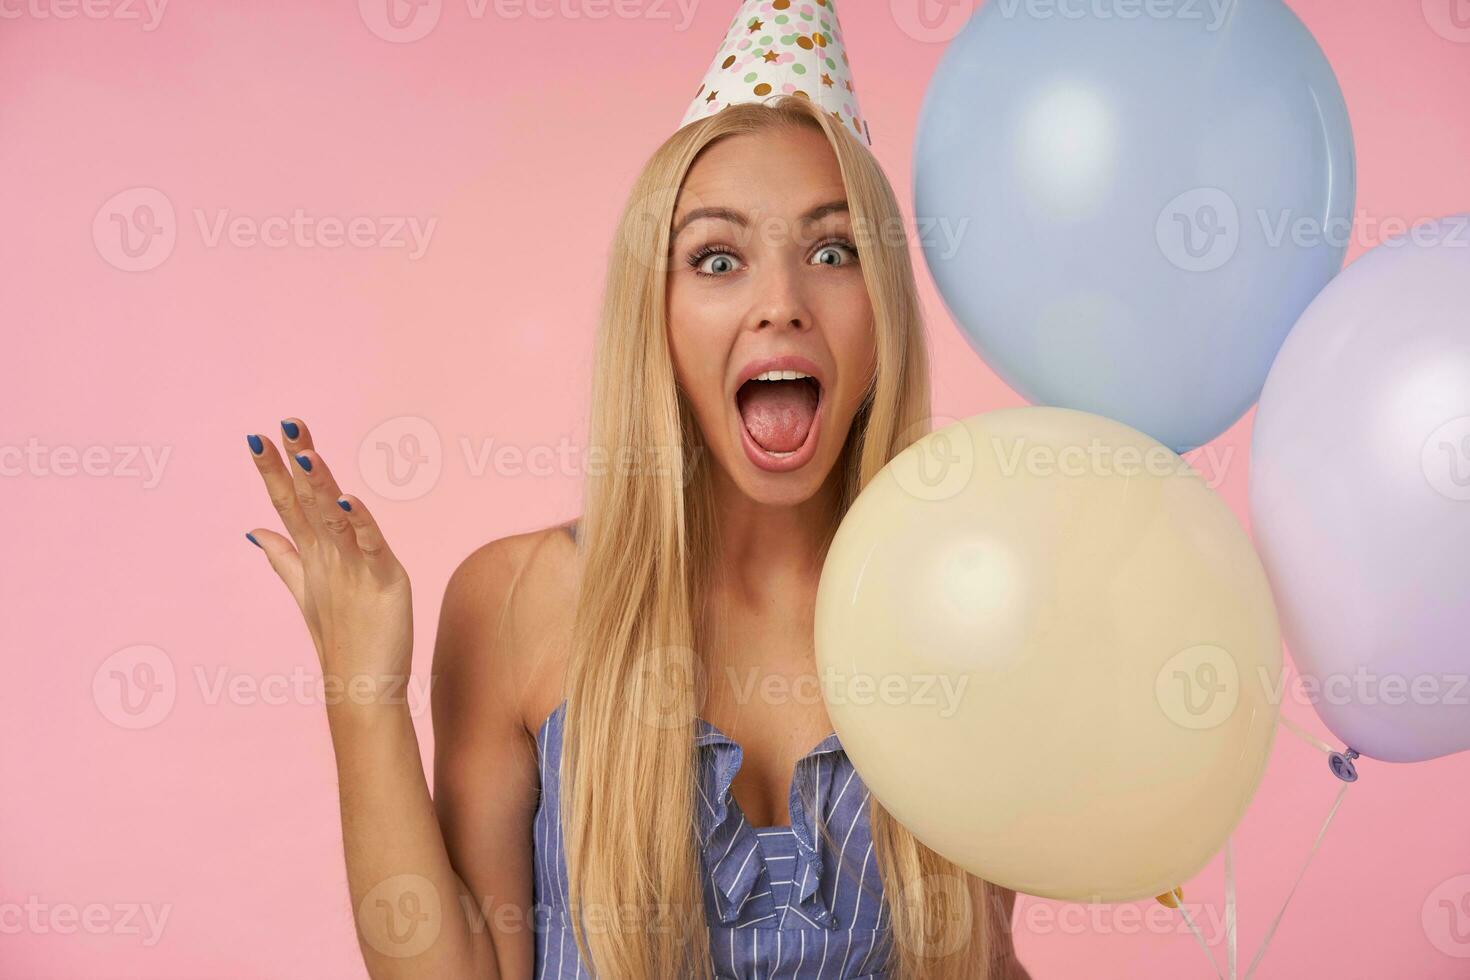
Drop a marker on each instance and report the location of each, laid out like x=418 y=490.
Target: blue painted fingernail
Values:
x=256 y=445
x=291 y=429
x=345 y=504
x=303 y=462
x=251 y=538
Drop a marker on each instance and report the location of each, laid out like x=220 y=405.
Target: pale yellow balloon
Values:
x=1051 y=652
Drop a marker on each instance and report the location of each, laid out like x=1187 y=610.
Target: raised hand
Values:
x=352 y=592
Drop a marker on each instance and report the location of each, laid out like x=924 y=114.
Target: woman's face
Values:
x=764 y=277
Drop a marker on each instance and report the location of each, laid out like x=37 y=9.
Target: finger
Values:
x=296 y=435
x=281 y=487
x=370 y=540
x=296 y=438
x=284 y=558
x=318 y=492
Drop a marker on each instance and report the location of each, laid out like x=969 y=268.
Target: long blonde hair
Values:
x=647 y=538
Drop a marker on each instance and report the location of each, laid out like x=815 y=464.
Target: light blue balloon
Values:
x=1126 y=204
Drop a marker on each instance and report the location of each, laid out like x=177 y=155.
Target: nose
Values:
x=780 y=298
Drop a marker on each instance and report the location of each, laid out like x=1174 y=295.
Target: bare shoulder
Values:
x=498 y=660
x=505 y=626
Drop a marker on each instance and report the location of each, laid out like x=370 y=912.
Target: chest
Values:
x=763 y=690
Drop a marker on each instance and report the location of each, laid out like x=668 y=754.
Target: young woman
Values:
x=606 y=736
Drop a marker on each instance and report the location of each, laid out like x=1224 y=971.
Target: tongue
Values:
x=778 y=414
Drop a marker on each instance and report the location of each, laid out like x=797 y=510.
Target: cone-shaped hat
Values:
x=782 y=47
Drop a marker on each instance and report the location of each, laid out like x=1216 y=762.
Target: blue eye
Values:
x=835 y=254
x=712 y=261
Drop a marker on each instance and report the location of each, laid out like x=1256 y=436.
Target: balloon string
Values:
x=1199 y=938
x=1271 y=932
x=1305 y=735
x=1230 y=906
x=1231 y=931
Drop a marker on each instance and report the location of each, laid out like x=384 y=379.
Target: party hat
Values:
x=782 y=47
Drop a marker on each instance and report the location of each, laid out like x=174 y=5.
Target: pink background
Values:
x=519 y=137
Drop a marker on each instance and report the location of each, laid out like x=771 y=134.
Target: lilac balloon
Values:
x=1360 y=494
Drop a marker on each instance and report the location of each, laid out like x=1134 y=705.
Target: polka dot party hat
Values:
x=782 y=47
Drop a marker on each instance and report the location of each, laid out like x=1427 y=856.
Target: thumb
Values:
x=284 y=558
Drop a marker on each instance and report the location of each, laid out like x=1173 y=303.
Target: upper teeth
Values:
x=780 y=376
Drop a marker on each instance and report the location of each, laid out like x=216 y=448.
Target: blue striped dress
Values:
x=782 y=903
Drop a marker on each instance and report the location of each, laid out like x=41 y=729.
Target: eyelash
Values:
x=705 y=251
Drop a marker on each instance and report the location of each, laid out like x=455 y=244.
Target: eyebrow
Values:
x=738 y=218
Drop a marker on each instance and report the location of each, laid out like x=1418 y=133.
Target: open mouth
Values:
x=779 y=414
